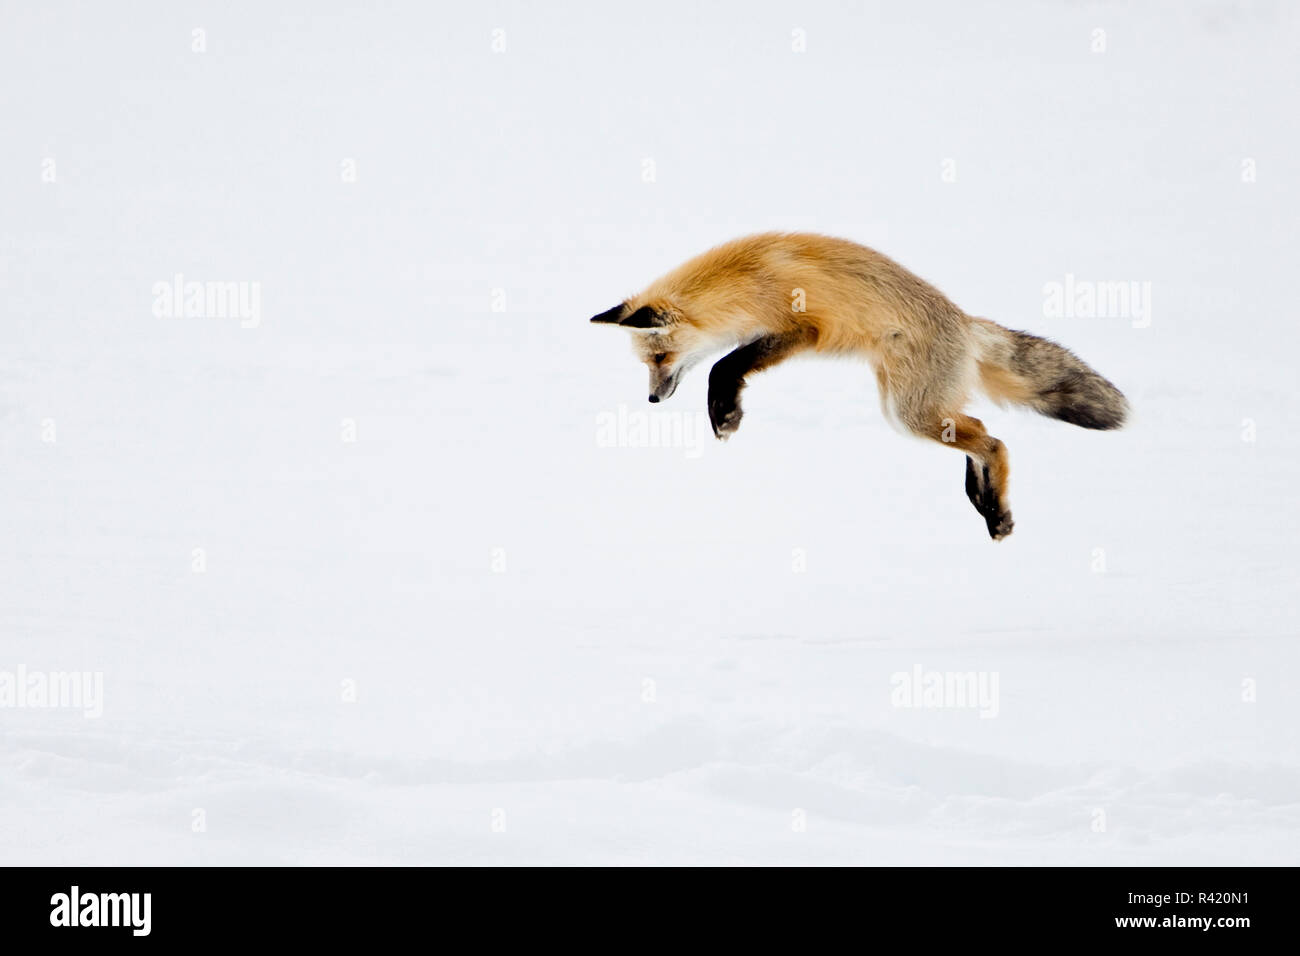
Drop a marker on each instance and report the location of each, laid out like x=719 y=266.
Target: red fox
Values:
x=772 y=296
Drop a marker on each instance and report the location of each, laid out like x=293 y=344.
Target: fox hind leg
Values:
x=987 y=469
x=982 y=493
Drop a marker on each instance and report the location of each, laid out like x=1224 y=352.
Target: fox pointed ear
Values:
x=612 y=316
x=644 y=318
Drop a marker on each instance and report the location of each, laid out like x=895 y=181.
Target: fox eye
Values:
x=659 y=357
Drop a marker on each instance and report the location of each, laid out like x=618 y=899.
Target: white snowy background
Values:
x=567 y=650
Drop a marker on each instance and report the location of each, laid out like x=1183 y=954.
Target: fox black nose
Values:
x=654 y=399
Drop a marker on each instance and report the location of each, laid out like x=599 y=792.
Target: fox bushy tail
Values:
x=1025 y=370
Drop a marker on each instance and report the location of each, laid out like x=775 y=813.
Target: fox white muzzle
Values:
x=663 y=384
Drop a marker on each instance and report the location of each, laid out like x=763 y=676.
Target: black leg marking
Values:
x=973 y=486
x=727 y=377
x=724 y=406
x=980 y=490
x=982 y=494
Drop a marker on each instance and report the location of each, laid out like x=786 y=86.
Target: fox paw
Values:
x=1000 y=525
x=982 y=494
x=725 y=415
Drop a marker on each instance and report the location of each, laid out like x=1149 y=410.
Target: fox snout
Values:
x=663 y=383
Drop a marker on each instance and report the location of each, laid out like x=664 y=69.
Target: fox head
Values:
x=663 y=338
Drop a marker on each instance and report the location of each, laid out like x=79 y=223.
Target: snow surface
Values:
x=566 y=649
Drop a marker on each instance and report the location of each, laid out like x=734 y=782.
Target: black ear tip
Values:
x=644 y=318
x=611 y=316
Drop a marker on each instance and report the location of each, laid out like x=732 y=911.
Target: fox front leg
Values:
x=724 y=400
x=727 y=377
